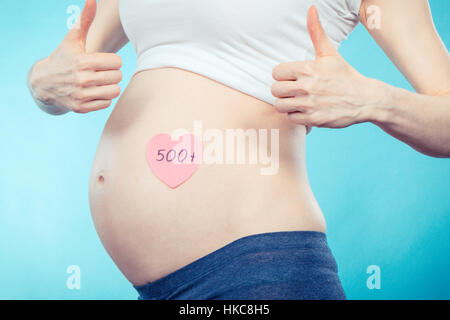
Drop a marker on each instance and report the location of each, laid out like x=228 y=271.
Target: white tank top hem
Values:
x=234 y=42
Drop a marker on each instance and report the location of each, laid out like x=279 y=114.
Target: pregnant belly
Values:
x=150 y=229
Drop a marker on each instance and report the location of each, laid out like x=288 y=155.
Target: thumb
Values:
x=320 y=40
x=80 y=31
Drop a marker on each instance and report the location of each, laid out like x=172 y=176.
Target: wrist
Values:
x=380 y=105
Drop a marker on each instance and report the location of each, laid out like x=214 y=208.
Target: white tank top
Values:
x=234 y=42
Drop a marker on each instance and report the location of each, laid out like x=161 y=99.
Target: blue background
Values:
x=385 y=204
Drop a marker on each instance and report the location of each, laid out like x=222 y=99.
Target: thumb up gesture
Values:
x=71 y=79
x=325 y=92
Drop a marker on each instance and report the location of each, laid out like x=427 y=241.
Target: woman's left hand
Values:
x=326 y=92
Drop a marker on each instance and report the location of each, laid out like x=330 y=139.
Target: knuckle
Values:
x=306 y=86
x=78 y=95
x=294 y=102
x=82 y=62
x=105 y=104
x=278 y=104
x=116 y=89
x=308 y=121
x=80 y=80
x=279 y=70
x=311 y=122
x=315 y=120
x=83 y=110
x=298 y=66
x=76 y=107
x=275 y=89
x=299 y=89
x=310 y=101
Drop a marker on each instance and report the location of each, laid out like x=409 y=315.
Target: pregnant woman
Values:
x=228 y=232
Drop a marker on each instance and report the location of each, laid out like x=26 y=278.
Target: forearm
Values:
x=106 y=33
x=421 y=121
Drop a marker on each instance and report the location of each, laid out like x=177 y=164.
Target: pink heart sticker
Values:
x=174 y=161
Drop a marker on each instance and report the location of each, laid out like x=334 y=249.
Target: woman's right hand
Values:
x=71 y=79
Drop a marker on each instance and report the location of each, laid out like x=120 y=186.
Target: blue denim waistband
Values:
x=184 y=282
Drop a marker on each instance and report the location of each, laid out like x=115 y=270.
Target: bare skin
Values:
x=328 y=92
x=82 y=74
x=151 y=230
x=148 y=229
